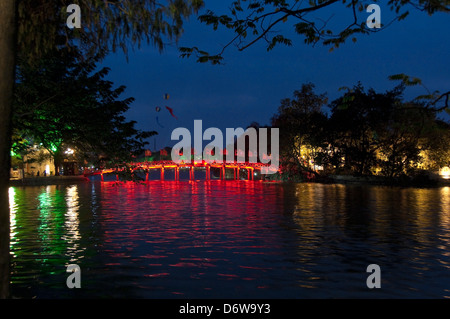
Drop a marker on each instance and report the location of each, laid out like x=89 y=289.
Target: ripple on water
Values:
x=229 y=240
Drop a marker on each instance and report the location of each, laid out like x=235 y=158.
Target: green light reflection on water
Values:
x=58 y=235
x=12 y=218
x=52 y=207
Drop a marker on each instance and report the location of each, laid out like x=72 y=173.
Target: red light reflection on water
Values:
x=202 y=228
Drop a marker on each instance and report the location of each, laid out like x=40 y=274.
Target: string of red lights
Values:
x=162 y=165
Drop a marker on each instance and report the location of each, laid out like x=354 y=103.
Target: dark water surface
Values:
x=223 y=239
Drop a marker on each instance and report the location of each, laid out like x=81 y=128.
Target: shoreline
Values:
x=333 y=179
x=48 y=180
x=384 y=181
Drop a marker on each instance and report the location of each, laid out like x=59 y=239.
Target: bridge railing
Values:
x=162 y=165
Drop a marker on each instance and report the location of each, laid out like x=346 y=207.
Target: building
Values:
x=39 y=162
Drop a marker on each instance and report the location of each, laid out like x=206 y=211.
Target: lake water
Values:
x=229 y=239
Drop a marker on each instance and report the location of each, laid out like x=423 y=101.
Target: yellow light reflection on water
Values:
x=445 y=226
x=445 y=210
x=12 y=218
x=72 y=222
x=445 y=196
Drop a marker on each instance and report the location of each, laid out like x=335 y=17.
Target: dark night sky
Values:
x=251 y=84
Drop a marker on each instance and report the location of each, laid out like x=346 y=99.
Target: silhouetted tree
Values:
x=379 y=130
x=302 y=126
x=253 y=21
x=63 y=102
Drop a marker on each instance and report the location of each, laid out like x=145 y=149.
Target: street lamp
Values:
x=445 y=172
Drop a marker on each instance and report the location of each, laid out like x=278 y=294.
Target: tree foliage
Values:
x=301 y=121
x=252 y=21
x=105 y=25
x=366 y=132
x=63 y=101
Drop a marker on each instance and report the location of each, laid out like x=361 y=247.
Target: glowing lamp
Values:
x=445 y=172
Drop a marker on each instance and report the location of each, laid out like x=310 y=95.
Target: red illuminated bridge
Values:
x=169 y=170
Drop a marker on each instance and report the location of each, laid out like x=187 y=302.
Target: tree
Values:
x=356 y=117
x=302 y=123
x=19 y=149
x=60 y=102
x=436 y=146
x=400 y=140
x=374 y=131
x=367 y=132
x=253 y=21
x=105 y=25
x=7 y=49
x=34 y=27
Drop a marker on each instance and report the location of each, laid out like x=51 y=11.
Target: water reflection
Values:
x=52 y=209
x=342 y=229
x=12 y=217
x=444 y=225
x=230 y=239
x=72 y=234
x=445 y=205
x=45 y=234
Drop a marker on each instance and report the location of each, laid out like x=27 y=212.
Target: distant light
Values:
x=445 y=172
x=54 y=147
x=69 y=151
